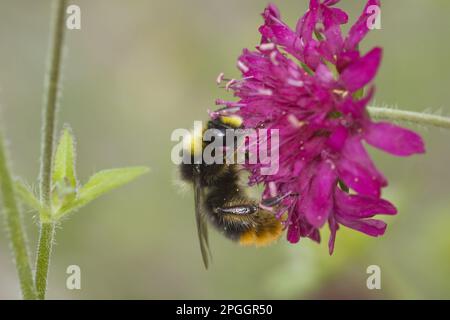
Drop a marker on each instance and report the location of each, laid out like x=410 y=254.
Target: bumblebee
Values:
x=223 y=202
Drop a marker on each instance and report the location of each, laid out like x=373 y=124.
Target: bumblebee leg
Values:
x=274 y=201
x=239 y=210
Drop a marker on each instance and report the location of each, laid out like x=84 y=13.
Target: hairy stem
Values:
x=47 y=144
x=410 y=116
x=43 y=259
x=15 y=227
x=50 y=101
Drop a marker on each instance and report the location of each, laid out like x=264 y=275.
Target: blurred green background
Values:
x=138 y=69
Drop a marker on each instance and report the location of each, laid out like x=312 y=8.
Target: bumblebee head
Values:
x=194 y=144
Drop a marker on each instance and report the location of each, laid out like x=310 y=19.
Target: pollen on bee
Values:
x=234 y=121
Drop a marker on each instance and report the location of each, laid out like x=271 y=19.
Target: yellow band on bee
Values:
x=251 y=238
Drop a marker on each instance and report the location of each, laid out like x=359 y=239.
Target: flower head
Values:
x=308 y=83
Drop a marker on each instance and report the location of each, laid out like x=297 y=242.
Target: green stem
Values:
x=15 y=227
x=50 y=101
x=43 y=259
x=48 y=138
x=410 y=116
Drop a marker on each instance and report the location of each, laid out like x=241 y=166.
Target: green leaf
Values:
x=101 y=183
x=26 y=195
x=64 y=163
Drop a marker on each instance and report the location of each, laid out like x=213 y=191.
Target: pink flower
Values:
x=320 y=21
x=308 y=84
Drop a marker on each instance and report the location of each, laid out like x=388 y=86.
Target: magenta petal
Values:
x=361 y=72
x=357 y=170
x=357 y=206
x=324 y=75
x=276 y=31
x=337 y=139
x=315 y=235
x=334 y=40
x=278 y=34
x=356 y=108
x=330 y=2
x=306 y=25
x=345 y=59
x=318 y=202
x=394 y=139
x=359 y=30
x=314 y=4
x=339 y=15
x=332 y=20
x=334 y=226
x=293 y=233
x=273 y=10
x=371 y=227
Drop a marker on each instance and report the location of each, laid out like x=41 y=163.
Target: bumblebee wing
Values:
x=202 y=228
